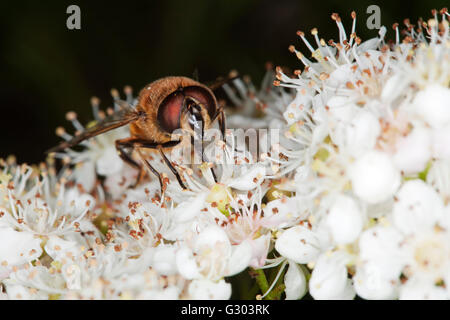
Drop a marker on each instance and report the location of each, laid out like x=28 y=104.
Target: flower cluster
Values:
x=371 y=163
x=352 y=199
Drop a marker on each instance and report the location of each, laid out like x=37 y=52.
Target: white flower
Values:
x=374 y=103
x=99 y=155
x=329 y=278
x=212 y=256
x=433 y=105
x=17 y=248
x=187 y=210
x=39 y=211
x=413 y=151
x=345 y=220
x=439 y=178
x=282 y=213
x=249 y=179
x=441 y=143
x=353 y=195
x=34 y=283
x=149 y=285
x=380 y=245
x=372 y=283
x=256 y=108
x=298 y=244
x=260 y=249
x=228 y=180
x=417 y=289
x=203 y=289
x=415 y=246
x=295 y=282
x=374 y=177
x=249 y=224
x=358 y=134
x=418 y=207
x=164 y=260
x=116 y=184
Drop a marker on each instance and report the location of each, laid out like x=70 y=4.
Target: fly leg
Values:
x=132 y=143
x=220 y=116
x=125 y=149
x=170 y=165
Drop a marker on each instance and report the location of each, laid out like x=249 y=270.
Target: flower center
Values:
x=219 y=197
x=431 y=255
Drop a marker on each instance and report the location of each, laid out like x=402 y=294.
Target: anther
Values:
x=60 y=131
x=70 y=116
x=115 y=94
x=128 y=90
x=233 y=73
x=269 y=65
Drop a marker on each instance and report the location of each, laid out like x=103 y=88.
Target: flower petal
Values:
x=298 y=244
x=209 y=290
x=329 y=278
x=164 y=260
x=374 y=177
x=418 y=207
x=295 y=282
x=18 y=247
x=186 y=264
x=109 y=163
x=372 y=282
x=345 y=220
x=240 y=258
x=250 y=179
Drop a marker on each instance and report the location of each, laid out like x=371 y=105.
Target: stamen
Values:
x=353 y=34
x=315 y=33
x=302 y=59
x=397 y=34
x=61 y=132
x=95 y=103
x=342 y=34
x=302 y=36
x=129 y=94
x=72 y=117
x=116 y=96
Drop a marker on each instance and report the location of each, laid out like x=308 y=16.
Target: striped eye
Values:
x=169 y=111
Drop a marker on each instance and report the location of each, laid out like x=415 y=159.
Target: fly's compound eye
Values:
x=169 y=111
x=195 y=98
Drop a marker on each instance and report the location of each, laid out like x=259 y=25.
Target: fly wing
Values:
x=118 y=119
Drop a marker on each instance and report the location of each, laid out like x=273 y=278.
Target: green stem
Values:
x=275 y=294
x=261 y=280
x=279 y=286
x=263 y=285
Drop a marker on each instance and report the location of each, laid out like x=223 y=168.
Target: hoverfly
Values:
x=164 y=106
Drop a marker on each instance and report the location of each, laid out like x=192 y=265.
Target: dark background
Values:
x=47 y=70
